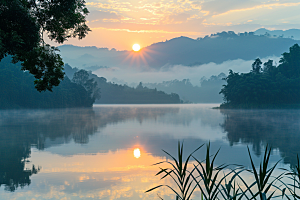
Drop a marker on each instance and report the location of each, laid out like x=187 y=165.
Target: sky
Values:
x=121 y=23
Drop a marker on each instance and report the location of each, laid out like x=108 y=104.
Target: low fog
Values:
x=133 y=75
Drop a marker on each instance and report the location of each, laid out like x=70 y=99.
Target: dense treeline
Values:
x=17 y=91
x=112 y=93
x=268 y=86
x=123 y=94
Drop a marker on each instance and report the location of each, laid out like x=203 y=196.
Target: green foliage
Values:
x=209 y=176
x=263 y=176
x=179 y=173
x=22 y=25
x=112 y=93
x=294 y=175
x=268 y=87
x=212 y=187
x=82 y=78
x=17 y=91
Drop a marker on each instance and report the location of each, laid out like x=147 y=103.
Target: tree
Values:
x=256 y=66
x=80 y=77
x=290 y=62
x=276 y=87
x=22 y=25
x=269 y=67
x=90 y=85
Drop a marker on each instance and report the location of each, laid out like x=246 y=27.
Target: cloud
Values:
x=147 y=31
x=175 y=18
x=221 y=6
x=179 y=72
x=262 y=6
x=95 y=16
x=124 y=7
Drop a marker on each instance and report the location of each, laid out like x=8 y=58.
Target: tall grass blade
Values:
x=179 y=173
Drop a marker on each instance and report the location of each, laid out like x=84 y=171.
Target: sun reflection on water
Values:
x=136 y=153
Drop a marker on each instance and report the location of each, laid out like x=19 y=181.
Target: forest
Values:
x=112 y=93
x=18 y=91
x=266 y=85
x=82 y=89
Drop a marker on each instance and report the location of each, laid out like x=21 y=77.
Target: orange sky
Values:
x=121 y=23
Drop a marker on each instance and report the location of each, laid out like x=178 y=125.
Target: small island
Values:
x=266 y=86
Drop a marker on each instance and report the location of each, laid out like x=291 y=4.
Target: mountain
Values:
x=112 y=93
x=215 y=48
x=291 y=33
x=208 y=92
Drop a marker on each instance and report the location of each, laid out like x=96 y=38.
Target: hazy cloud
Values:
x=148 y=21
x=102 y=15
x=179 y=72
x=211 y=12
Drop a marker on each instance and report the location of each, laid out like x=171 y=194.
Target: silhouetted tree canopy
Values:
x=112 y=93
x=17 y=91
x=81 y=77
x=269 y=86
x=22 y=25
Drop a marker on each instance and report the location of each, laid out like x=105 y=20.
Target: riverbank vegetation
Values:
x=228 y=182
x=17 y=91
x=79 y=88
x=267 y=85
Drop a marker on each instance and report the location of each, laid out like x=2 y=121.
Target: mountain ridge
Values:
x=216 y=48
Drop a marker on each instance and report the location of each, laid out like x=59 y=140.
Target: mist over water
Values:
x=89 y=153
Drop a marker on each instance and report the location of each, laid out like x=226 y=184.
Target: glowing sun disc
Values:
x=136 y=47
x=137 y=153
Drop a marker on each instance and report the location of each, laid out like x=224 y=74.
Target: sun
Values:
x=137 y=153
x=136 y=47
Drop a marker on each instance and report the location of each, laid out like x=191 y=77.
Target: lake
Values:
x=107 y=152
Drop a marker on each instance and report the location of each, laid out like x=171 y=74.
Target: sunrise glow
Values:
x=136 y=47
x=137 y=153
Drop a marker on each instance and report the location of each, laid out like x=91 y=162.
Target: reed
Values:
x=262 y=177
x=231 y=186
x=294 y=176
x=180 y=174
x=208 y=175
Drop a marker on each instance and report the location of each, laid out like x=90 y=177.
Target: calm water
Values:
x=92 y=153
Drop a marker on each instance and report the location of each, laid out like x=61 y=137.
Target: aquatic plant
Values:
x=208 y=176
x=294 y=175
x=179 y=173
x=213 y=186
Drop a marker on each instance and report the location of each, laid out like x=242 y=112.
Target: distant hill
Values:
x=291 y=33
x=215 y=48
x=112 y=93
x=208 y=92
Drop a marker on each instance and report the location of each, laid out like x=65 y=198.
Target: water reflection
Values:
x=22 y=129
x=278 y=128
x=92 y=153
